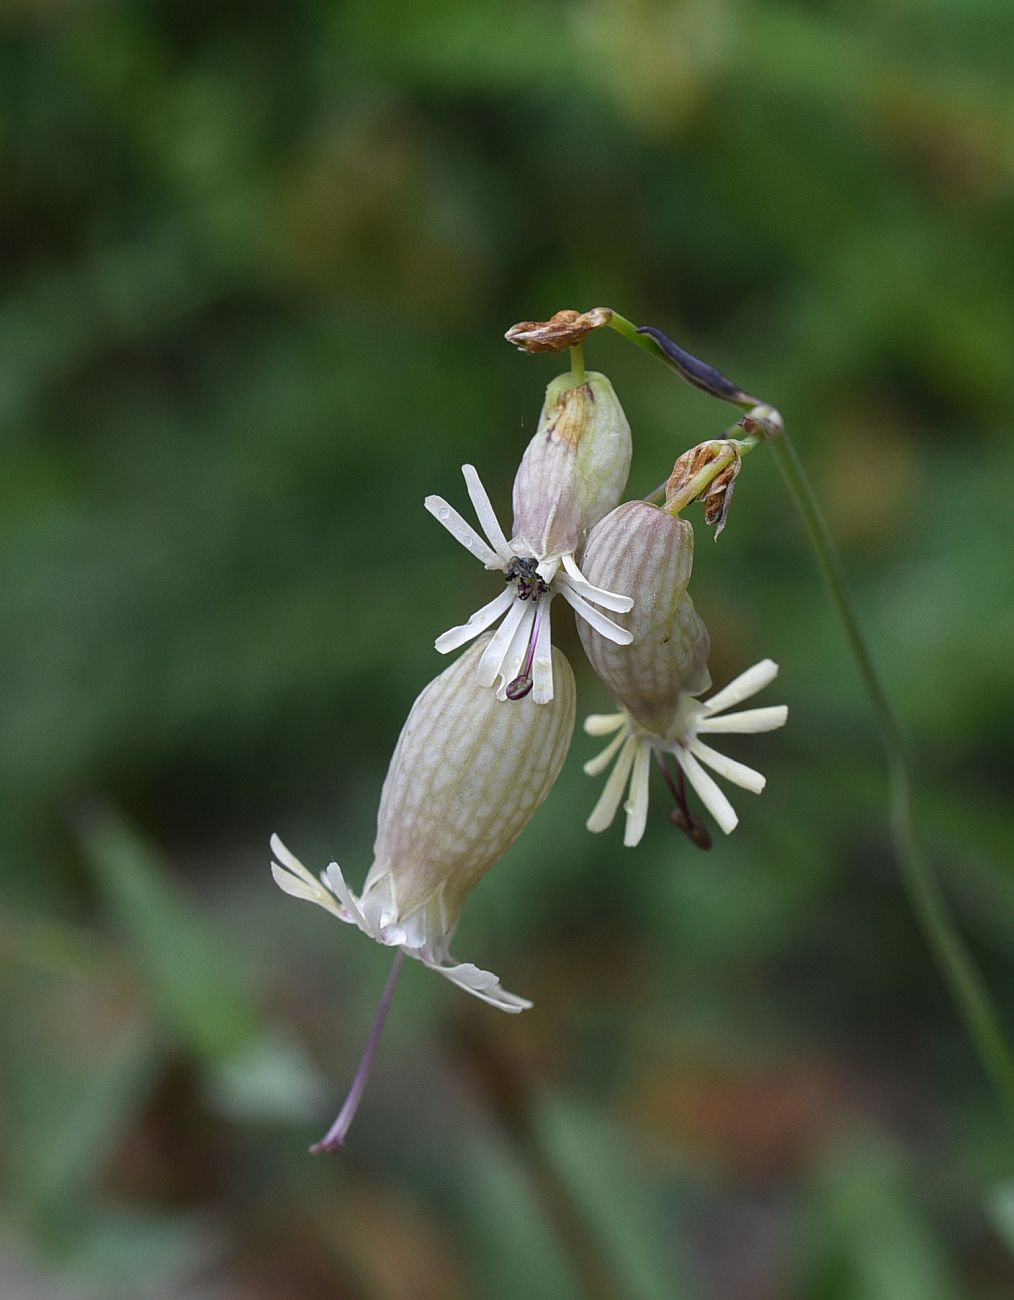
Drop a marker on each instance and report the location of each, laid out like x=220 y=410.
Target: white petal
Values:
x=743 y=686
x=636 y=806
x=494 y=654
x=288 y=859
x=348 y=900
x=607 y=599
x=606 y=627
x=510 y=664
x=480 y=983
x=484 y=511
x=542 y=665
x=603 y=724
x=750 y=720
x=605 y=810
x=710 y=795
x=312 y=893
x=738 y=773
x=462 y=531
x=601 y=761
x=477 y=622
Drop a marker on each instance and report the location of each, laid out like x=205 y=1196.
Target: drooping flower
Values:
x=572 y=473
x=656 y=678
x=466 y=777
x=633 y=746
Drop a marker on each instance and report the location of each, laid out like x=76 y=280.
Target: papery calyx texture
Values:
x=574 y=469
x=649 y=555
x=465 y=779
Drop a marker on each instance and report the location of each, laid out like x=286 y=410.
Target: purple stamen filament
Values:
x=336 y=1134
x=522 y=684
x=681 y=815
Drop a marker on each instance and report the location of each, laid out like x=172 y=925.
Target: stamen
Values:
x=522 y=684
x=681 y=816
x=336 y=1134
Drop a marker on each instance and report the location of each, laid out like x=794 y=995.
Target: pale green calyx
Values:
x=643 y=551
x=575 y=467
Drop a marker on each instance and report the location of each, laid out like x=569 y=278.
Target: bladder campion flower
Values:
x=466 y=777
x=658 y=675
x=572 y=473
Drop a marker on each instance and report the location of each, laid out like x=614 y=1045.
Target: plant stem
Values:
x=948 y=949
x=952 y=957
x=577 y=363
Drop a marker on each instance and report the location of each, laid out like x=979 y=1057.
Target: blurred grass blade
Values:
x=83 y=1127
x=189 y=977
x=611 y=1188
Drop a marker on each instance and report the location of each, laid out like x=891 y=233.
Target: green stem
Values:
x=925 y=895
x=577 y=363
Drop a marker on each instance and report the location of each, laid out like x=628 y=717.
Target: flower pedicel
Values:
x=466 y=778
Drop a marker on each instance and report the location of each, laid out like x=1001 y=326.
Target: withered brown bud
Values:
x=563 y=330
x=717 y=494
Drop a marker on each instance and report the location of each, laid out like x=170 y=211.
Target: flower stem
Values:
x=952 y=957
x=577 y=363
x=928 y=902
x=336 y=1134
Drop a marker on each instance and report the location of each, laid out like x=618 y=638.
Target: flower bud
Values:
x=646 y=553
x=574 y=469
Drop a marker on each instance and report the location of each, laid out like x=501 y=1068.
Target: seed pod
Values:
x=647 y=554
x=465 y=779
x=574 y=469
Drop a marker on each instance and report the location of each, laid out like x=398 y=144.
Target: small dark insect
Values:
x=525 y=574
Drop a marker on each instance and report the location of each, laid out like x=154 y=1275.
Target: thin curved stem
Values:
x=925 y=894
x=932 y=912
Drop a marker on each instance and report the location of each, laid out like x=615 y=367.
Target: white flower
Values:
x=376 y=914
x=633 y=745
x=465 y=779
x=519 y=652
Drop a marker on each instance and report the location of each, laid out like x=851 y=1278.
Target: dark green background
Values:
x=257 y=262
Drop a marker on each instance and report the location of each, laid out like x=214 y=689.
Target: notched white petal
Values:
x=637 y=804
x=462 y=531
x=607 y=599
x=484 y=511
x=293 y=879
x=494 y=654
x=482 y=984
x=743 y=686
x=483 y=618
x=601 y=760
x=605 y=626
x=603 y=724
x=708 y=791
x=749 y=721
x=738 y=773
x=609 y=801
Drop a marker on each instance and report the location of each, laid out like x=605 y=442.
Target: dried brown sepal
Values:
x=562 y=330
x=718 y=498
x=684 y=485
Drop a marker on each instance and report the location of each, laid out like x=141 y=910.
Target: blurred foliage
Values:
x=257 y=261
